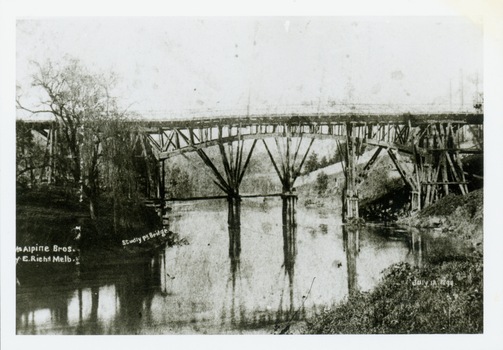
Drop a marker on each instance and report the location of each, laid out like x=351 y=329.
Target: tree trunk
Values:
x=92 y=209
x=115 y=215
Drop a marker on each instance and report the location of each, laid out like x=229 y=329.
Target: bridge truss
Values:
x=427 y=149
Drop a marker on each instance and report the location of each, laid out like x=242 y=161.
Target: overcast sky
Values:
x=186 y=63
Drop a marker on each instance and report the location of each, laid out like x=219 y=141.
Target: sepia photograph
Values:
x=249 y=175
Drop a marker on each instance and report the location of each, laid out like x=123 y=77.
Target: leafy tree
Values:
x=119 y=170
x=311 y=163
x=321 y=183
x=179 y=184
x=323 y=162
x=336 y=157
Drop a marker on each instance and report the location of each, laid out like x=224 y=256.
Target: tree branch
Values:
x=20 y=106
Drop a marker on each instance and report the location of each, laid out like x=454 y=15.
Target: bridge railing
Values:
x=301 y=109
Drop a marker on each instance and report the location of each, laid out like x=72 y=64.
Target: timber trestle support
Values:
x=427 y=149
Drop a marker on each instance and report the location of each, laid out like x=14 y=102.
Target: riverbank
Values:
x=50 y=216
x=458 y=217
x=440 y=298
x=444 y=296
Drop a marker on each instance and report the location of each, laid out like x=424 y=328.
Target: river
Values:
x=253 y=267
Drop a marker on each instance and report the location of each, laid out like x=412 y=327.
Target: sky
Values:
x=179 y=66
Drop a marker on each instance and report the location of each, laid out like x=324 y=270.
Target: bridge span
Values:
x=426 y=148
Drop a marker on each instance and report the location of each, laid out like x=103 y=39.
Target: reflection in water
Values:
x=289 y=244
x=89 y=325
x=135 y=295
x=417 y=247
x=234 y=224
x=93 y=303
x=351 y=245
x=219 y=287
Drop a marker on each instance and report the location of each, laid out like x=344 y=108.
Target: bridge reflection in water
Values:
x=289 y=230
x=418 y=247
x=178 y=291
x=234 y=226
x=289 y=225
x=351 y=244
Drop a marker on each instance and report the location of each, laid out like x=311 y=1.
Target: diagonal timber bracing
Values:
x=434 y=143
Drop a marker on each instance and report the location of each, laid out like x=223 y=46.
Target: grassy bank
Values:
x=450 y=302
x=379 y=182
x=444 y=296
x=458 y=217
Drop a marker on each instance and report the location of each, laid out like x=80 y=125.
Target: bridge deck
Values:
x=275 y=119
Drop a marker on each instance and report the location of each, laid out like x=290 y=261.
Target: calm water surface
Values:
x=249 y=268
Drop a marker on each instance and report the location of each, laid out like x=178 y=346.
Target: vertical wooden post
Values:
x=350 y=193
x=445 y=176
x=440 y=169
x=162 y=182
x=417 y=158
x=442 y=157
x=463 y=186
x=415 y=201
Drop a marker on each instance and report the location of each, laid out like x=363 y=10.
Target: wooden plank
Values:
x=189 y=199
x=343 y=156
x=154 y=142
x=177 y=139
x=282 y=159
x=297 y=151
x=305 y=118
x=408 y=149
x=455 y=173
x=246 y=163
x=230 y=148
x=442 y=182
x=239 y=159
x=193 y=136
x=401 y=171
x=443 y=163
x=225 y=163
x=221 y=181
x=304 y=158
x=288 y=174
x=190 y=138
x=273 y=162
x=462 y=173
x=363 y=175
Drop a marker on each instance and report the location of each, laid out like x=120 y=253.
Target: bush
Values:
x=321 y=183
x=400 y=305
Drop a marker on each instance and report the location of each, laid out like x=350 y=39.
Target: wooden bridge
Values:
x=426 y=148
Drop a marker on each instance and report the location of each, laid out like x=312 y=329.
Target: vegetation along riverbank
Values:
x=444 y=296
x=47 y=216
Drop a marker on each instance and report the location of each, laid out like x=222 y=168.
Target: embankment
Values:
x=458 y=217
x=444 y=296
